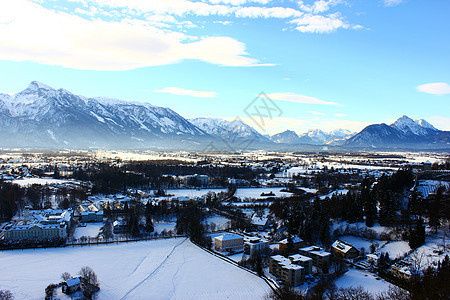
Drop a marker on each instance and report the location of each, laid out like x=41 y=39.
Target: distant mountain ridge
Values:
x=43 y=117
x=403 y=133
x=312 y=137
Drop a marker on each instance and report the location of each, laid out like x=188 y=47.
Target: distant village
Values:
x=300 y=221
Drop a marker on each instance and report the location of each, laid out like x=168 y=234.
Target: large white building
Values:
x=40 y=225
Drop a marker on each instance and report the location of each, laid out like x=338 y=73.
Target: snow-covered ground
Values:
x=41 y=181
x=255 y=193
x=360 y=226
x=160 y=269
x=368 y=281
x=358 y=242
x=395 y=249
x=220 y=221
x=91 y=230
x=337 y=192
x=192 y=193
x=163 y=225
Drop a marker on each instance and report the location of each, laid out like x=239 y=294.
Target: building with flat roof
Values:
x=254 y=245
x=285 y=271
x=297 y=243
x=304 y=261
x=321 y=258
x=229 y=242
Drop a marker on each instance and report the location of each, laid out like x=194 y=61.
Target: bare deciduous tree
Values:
x=66 y=276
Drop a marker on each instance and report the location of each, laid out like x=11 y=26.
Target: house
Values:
x=229 y=242
x=344 y=250
x=304 y=261
x=402 y=270
x=372 y=259
x=71 y=285
x=254 y=245
x=287 y=272
x=321 y=258
x=260 y=223
x=296 y=242
x=91 y=213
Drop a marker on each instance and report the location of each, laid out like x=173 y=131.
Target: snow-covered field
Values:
x=163 y=225
x=41 y=181
x=255 y=193
x=368 y=281
x=91 y=230
x=191 y=193
x=220 y=221
x=395 y=249
x=160 y=269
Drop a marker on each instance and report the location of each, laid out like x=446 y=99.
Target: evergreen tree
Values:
x=417 y=236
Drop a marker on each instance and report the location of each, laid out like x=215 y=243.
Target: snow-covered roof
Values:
x=299 y=257
x=341 y=246
x=262 y=221
x=295 y=239
x=228 y=236
x=73 y=281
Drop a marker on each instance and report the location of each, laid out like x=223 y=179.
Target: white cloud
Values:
x=392 y=2
x=319 y=6
x=340 y=115
x=439 y=122
x=267 y=12
x=438 y=88
x=316 y=113
x=31 y=32
x=238 y=2
x=297 y=98
x=185 y=92
x=320 y=24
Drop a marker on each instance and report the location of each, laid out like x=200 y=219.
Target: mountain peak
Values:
x=425 y=124
x=35 y=85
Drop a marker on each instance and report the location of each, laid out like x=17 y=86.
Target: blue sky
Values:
x=326 y=64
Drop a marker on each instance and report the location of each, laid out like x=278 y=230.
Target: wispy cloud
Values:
x=297 y=98
x=316 y=113
x=392 y=2
x=438 y=88
x=185 y=92
x=321 y=24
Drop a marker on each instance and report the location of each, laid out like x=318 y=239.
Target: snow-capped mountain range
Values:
x=225 y=129
x=403 y=133
x=43 y=117
x=312 y=137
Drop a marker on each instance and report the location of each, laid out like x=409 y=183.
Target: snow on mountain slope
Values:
x=226 y=129
x=286 y=137
x=425 y=124
x=30 y=115
x=408 y=126
x=404 y=132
